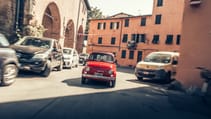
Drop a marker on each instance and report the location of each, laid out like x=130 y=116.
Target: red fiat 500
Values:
x=101 y=67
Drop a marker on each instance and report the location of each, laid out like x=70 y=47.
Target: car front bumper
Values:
x=151 y=74
x=96 y=77
x=33 y=65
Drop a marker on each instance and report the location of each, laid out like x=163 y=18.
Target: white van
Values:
x=71 y=58
x=158 y=66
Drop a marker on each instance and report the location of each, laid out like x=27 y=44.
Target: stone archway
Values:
x=52 y=22
x=80 y=40
x=69 y=34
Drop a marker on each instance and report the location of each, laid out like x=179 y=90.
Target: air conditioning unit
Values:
x=131 y=45
x=195 y=2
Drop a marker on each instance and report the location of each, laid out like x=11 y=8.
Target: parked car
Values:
x=83 y=57
x=39 y=54
x=158 y=66
x=8 y=63
x=101 y=67
x=71 y=57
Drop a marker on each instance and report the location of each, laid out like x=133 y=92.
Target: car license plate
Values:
x=98 y=74
x=146 y=73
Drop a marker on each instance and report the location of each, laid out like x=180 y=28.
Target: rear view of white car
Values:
x=71 y=58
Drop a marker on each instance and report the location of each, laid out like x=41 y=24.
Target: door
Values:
x=139 y=56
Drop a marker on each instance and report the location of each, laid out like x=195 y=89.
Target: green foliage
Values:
x=33 y=30
x=94 y=13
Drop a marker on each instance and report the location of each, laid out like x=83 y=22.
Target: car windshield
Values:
x=3 y=41
x=101 y=57
x=158 y=58
x=67 y=51
x=35 y=42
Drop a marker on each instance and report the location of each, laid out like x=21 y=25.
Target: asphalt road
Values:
x=62 y=96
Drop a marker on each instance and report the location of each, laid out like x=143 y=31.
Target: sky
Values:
x=133 y=7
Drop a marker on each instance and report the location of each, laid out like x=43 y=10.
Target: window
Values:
x=139 y=38
x=117 y=25
x=133 y=37
x=104 y=25
x=155 y=39
x=123 y=54
x=178 y=39
x=159 y=3
x=114 y=25
x=113 y=40
x=169 y=39
x=127 y=22
x=158 y=19
x=101 y=26
x=100 y=40
x=143 y=38
x=131 y=55
x=111 y=25
x=125 y=37
x=98 y=25
x=143 y=21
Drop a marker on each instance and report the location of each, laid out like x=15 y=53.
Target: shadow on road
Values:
x=28 y=74
x=137 y=103
x=91 y=84
x=125 y=70
x=151 y=82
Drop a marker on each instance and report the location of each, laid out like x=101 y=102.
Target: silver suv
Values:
x=39 y=55
x=8 y=62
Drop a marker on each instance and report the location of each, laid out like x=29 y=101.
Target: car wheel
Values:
x=140 y=78
x=112 y=83
x=83 y=80
x=9 y=72
x=47 y=70
x=168 y=77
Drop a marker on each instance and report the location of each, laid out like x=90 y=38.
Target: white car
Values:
x=71 y=57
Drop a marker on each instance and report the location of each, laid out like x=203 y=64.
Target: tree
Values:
x=94 y=13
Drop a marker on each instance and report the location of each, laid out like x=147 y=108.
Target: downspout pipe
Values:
x=79 y=8
x=17 y=15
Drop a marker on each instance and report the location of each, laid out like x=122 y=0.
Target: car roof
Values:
x=167 y=52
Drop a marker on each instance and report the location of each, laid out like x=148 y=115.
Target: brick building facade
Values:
x=63 y=20
x=195 y=48
x=160 y=31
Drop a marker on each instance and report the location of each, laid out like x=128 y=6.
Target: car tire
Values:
x=140 y=78
x=83 y=80
x=9 y=72
x=168 y=77
x=46 y=72
x=112 y=83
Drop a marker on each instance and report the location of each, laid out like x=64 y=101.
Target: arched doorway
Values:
x=51 y=21
x=80 y=40
x=69 y=34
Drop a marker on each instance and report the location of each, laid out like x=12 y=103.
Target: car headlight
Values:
x=87 y=69
x=110 y=72
x=40 y=56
